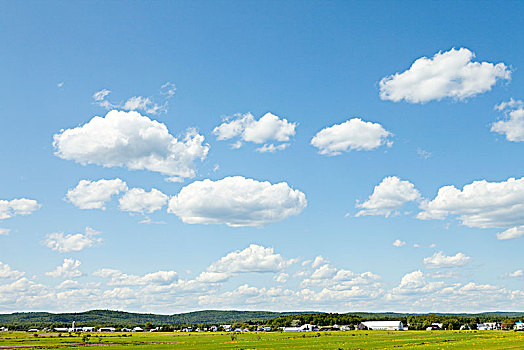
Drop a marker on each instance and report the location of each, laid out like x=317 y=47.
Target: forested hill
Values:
x=121 y=319
x=108 y=317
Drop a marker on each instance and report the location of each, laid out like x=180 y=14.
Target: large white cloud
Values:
x=118 y=278
x=269 y=128
x=248 y=296
x=415 y=283
x=324 y=287
x=131 y=140
x=416 y=292
x=481 y=204
x=450 y=74
x=388 y=197
x=329 y=277
x=94 y=194
x=254 y=258
x=72 y=242
x=510 y=233
x=236 y=201
x=69 y=269
x=20 y=206
x=439 y=260
x=354 y=134
x=513 y=125
x=7 y=272
x=140 y=201
x=327 y=287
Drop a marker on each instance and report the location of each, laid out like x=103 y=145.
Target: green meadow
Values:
x=273 y=340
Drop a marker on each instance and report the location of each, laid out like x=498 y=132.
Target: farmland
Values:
x=271 y=340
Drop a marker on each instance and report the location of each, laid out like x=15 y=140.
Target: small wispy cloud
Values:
x=423 y=153
x=399 y=243
x=137 y=103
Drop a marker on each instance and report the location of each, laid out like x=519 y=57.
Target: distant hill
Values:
x=109 y=317
x=121 y=318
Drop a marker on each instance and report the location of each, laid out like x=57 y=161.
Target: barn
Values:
x=384 y=325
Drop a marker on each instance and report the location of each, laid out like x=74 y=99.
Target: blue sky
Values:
x=373 y=108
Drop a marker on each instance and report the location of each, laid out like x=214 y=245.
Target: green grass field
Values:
x=322 y=340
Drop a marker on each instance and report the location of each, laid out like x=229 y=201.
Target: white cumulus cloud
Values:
x=414 y=283
x=318 y=261
x=139 y=201
x=20 y=206
x=4 y=231
x=354 y=134
x=72 y=242
x=254 y=258
x=481 y=204
x=513 y=124
x=69 y=269
x=450 y=74
x=439 y=260
x=7 y=272
x=236 y=201
x=388 y=197
x=131 y=140
x=118 y=278
x=268 y=128
x=510 y=233
x=514 y=274
x=94 y=194
x=281 y=277
x=339 y=282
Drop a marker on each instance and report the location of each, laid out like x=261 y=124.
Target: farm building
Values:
x=73 y=328
x=61 y=330
x=303 y=328
x=106 y=329
x=384 y=325
x=519 y=326
x=435 y=327
x=489 y=326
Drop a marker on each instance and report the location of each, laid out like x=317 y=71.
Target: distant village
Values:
x=367 y=325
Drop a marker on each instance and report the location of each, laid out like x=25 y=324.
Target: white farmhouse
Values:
x=384 y=325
